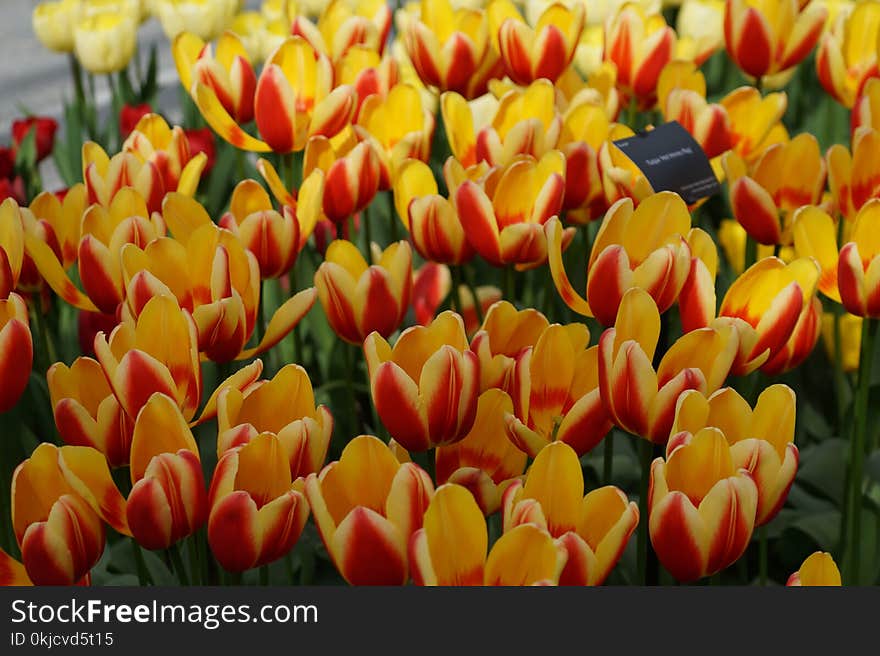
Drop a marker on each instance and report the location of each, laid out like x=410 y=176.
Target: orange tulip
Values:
x=16 y=350
x=366 y=506
x=425 y=389
x=755 y=120
x=593 y=529
x=702 y=509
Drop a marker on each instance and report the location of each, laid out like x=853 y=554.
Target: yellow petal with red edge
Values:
x=411 y=492
x=222 y=123
x=556 y=480
x=186 y=49
x=819 y=569
x=459 y=123
x=606 y=522
x=694 y=468
x=12 y=572
x=276 y=186
x=183 y=215
x=52 y=272
x=159 y=428
x=657 y=217
x=773 y=419
x=263 y=469
x=638 y=320
x=413 y=179
x=525 y=555
x=192 y=175
x=283 y=321
x=553 y=230
x=240 y=380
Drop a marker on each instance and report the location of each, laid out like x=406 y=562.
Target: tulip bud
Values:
x=105 y=43
x=53 y=23
x=16 y=350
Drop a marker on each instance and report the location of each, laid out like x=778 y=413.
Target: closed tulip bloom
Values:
x=425 y=389
x=544 y=51
x=709 y=123
x=858 y=272
x=342 y=25
x=61 y=220
x=814 y=234
x=640 y=45
x=819 y=569
x=105 y=176
x=105 y=43
x=593 y=528
x=764 y=305
x=59 y=523
x=854 y=177
x=373 y=74
x=359 y=298
x=451 y=548
x=283 y=406
x=764 y=200
x=702 y=508
x=366 y=506
x=557 y=395
x=765 y=37
x=504 y=216
x=399 y=127
x=205 y=18
x=228 y=74
x=484 y=461
x=638 y=398
x=16 y=350
x=86 y=411
x=866 y=111
x=352 y=172
x=761 y=440
x=647 y=247
x=257 y=514
x=168 y=500
x=53 y=23
x=431 y=219
x=585 y=128
x=155 y=141
x=847 y=53
x=802 y=341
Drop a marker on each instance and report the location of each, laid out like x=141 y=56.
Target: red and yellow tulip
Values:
x=366 y=507
x=451 y=548
x=638 y=398
x=106 y=176
x=819 y=569
x=854 y=177
x=585 y=127
x=847 y=53
x=761 y=440
x=425 y=388
x=16 y=350
x=858 y=270
x=343 y=25
x=702 y=508
x=359 y=299
x=755 y=120
x=256 y=513
x=593 y=529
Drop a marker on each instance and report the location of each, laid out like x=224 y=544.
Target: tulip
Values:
x=761 y=440
x=765 y=37
x=854 y=178
x=866 y=111
x=398 y=127
x=621 y=178
x=585 y=128
x=105 y=176
x=307 y=202
x=754 y=120
x=283 y=406
x=640 y=45
x=431 y=219
x=593 y=528
x=342 y=25
x=504 y=216
x=819 y=569
x=16 y=350
x=44 y=129
x=557 y=396
x=228 y=75
x=12 y=240
x=763 y=201
x=253 y=30
x=700 y=28
x=204 y=18
x=484 y=461
x=257 y=514
x=450 y=48
x=152 y=140
x=366 y=507
x=702 y=509
x=86 y=411
x=167 y=501
x=847 y=53
x=544 y=51
x=451 y=547
x=522 y=122
x=53 y=23
x=638 y=398
x=850 y=339
x=425 y=389
x=857 y=275
x=764 y=305
x=649 y=248
x=352 y=172
x=359 y=299
x=56 y=519
x=815 y=235
x=12 y=572
x=105 y=43
x=431 y=285
x=373 y=74
x=801 y=343
x=130 y=115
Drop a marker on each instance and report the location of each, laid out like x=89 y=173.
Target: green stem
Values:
x=349 y=382
x=76 y=74
x=751 y=254
x=840 y=383
x=469 y=283
x=298 y=355
x=608 y=458
x=144 y=577
x=857 y=447
x=509 y=286
x=392 y=216
x=50 y=355
x=647 y=456
x=457 y=299
x=177 y=561
x=762 y=555
x=368 y=237
x=194 y=559
x=264 y=575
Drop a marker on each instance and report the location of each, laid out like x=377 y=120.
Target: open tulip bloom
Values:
x=384 y=300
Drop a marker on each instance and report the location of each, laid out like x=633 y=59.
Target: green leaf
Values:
x=822 y=469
